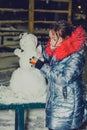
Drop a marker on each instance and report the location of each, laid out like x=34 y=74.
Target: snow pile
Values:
x=27 y=83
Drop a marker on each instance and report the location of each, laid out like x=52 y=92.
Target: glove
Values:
x=36 y=63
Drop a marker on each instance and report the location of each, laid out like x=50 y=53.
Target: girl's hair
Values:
x=63 y=28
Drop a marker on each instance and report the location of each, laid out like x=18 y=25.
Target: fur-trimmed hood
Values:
x=68 y=46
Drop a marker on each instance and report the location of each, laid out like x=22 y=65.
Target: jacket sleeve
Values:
x=68 y=73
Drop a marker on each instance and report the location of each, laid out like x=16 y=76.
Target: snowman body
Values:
x=27 y=81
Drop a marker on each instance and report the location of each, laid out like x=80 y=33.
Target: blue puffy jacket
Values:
x=65 y=103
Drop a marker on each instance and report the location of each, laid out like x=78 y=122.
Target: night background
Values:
x=79 y=10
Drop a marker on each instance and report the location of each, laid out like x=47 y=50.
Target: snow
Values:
x=8 y=96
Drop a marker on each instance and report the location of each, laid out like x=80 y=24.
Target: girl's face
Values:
x=55 y=39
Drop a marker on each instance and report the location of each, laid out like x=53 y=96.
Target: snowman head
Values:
x=28 y=41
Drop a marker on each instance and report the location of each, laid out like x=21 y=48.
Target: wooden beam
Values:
x=31 y=16
x=70 y=11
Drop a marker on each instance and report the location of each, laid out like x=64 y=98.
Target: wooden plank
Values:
x=13 y=21
x=51 y=11
x=46 y=22
x=13 y=10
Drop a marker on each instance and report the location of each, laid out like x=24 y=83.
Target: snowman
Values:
x=27 y=81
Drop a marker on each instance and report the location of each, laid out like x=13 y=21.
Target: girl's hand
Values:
x=53 y=38
x=36 y=63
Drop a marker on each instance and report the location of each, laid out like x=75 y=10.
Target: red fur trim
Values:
x=48 y=49
x=69 y=45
